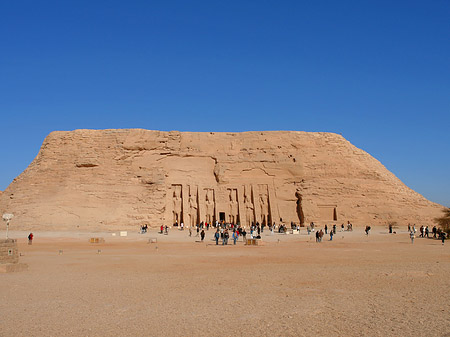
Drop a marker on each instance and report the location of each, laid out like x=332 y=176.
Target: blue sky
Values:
x=376 y=71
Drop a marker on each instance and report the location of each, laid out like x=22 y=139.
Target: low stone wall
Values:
x=8 y=251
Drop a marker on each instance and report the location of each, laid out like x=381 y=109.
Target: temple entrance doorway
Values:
x=222 y=216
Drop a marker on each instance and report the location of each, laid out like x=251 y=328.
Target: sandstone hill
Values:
x=111 y=179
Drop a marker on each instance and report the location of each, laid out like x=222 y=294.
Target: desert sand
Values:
x=355 y=285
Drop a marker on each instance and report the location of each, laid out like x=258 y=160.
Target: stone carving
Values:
x=193 y=206
x=264 y=205
x=127 y=177
x=209 y=205
x=249 y=207
x=233 y=216
x=177 y=204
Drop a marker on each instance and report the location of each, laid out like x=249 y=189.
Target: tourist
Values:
x=342 y=227
x=225 y=237
x=434 y=230
x=162 y=229
x=334 y=229
x=317 y=236
x=202 y=234
x=30 y=238
x=190 y=231
x=182 y=226
x=198 y=230
x=326 y=229
x=411 y=235
x=320 y=235
x=443 y=236
x=217 y=236
x=427 y=232
x=235 y=237
x=331 y=235
x=390 y=229
x=367 y=230
x=421 y=232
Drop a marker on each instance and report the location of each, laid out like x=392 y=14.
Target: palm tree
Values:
x=444 y=221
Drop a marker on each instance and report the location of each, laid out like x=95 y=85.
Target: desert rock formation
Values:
x=121 y=178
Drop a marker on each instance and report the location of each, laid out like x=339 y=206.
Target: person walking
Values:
x=202 y=234
x=331 y=235
x=326 y=229
x=411 y=236
x=217 y=236
x=30 y=238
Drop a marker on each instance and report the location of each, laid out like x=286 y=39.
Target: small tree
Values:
x=444 y=221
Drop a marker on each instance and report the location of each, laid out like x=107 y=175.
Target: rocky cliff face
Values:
x=120 y=178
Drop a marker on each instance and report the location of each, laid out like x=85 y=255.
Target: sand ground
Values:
x=380 y=285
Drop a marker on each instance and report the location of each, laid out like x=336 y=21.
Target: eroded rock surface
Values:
x=119 y=178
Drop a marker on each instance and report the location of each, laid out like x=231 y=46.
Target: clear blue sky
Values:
x=376 y=71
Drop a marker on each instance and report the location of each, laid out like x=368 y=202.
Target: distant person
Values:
x=331 y=235
x=235 y=237
x=217 y=236
x=161 y=229
x=411 y=236
x=443 y=236
x=225 y=237
x=326 y=229
x=202 y=234
x=367 y=230
x=30 y=238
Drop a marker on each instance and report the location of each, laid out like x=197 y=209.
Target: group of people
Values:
x=223 y=230
x=425 y=232
x=144 y=229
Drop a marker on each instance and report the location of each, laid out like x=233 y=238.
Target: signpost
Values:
x=7 y=217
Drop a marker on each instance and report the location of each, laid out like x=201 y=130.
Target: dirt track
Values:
x=381 y=285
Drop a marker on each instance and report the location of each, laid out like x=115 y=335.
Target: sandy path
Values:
x=380 y=285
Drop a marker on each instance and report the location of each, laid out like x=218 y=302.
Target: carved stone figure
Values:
x=249 y=208
x=177 y=204
x=193 y=208
x=234 y=207
x=209 y=201
x=264 y=206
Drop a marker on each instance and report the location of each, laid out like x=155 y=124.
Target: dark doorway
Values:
x=222 y=216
